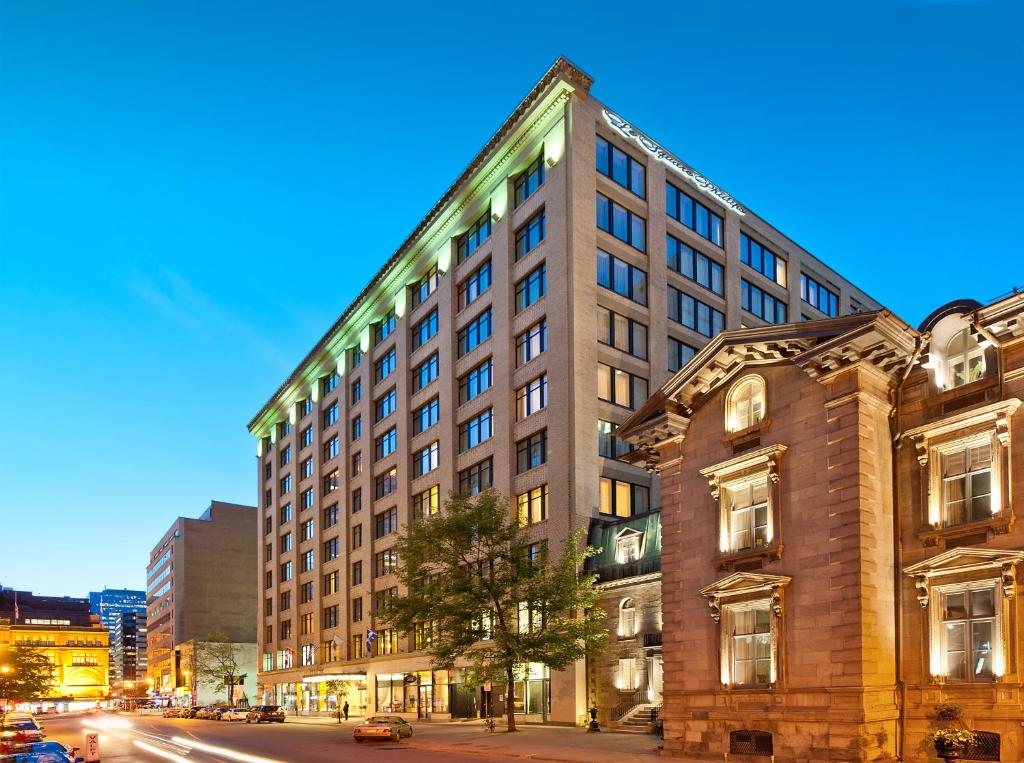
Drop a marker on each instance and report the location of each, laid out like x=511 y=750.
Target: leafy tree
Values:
x=478 y=591
x=25 y=675
x=216 y=663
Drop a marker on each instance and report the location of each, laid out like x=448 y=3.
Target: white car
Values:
x=234 y=714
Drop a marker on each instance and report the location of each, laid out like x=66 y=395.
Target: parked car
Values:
x=22 y=728
x=265 y=714
x=173 y=712
x=190 y=712
x=53 y=752
x=390 y=727
x=233 y=714
x=204 y=713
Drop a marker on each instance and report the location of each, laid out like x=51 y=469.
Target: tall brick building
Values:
x=840 y=549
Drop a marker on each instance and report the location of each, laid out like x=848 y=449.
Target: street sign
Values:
x=92 y=747
x=487 y=685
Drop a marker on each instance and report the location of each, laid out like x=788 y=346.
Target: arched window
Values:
x=627 y=618
x=965 y=359
x=745 y=404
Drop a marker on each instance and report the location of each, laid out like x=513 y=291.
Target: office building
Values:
x=110 y=604
x=569 y=269
x=199 y=581
x=840 y=555
x=128 y=653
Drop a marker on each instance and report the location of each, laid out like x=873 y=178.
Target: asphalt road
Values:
x=126 y=738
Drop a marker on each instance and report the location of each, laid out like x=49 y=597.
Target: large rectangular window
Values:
x=427 y=503
x=762 y=259
x=385 y=444
x=385 y=405
x=531 y=288
x=626 y=226
x=696 y=266
x=424 y=417
x=477 y=478
x=385 y=484
x=623 y=499
x=748 y=515
x=425 y=286
x=694 y=314
x=478 y=380
x=471 y=240
x=385 y=563
x=424 y=330
x=620 y=387
x=475 y=333
x=475 y=284
x=758 y=302
x=530 y=234
x=475 y=431
x=532 y=397
x=384 y=328
x=818 y=295
x=330 y=416
x=622 y=333
x=608 y=445
x=529 y=180
x=425 y=373
x=532 y=451
x=621 y=277
x=533 y=505
x=531 y=342
x=967 y=485
x=385 y=523
x=426 y=460
x=748 y=630
x=385 y=366
x=968 y=629
x=685 y=209
x=616 y=164
x=679 y=354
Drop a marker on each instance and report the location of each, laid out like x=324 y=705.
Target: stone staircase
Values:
x=638 y=720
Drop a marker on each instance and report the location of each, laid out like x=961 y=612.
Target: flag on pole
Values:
x=371 y=636
x=16 y=615
x=338 y=641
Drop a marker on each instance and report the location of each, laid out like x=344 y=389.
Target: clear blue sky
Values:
x=191 y=192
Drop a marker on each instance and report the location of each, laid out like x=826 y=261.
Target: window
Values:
x=383 y=329
x=357 y=392
x=679 y=354
x=268 y=579
x=329 y=382
x=286 y=572
x=331 y=583
x=306 y=593
x=967 y=485
x=385 y=484
x=284 y=429
x=285 y=456
x=627 y=546
x=627 y=619
x=286 y=542
x=331 y=448
x=530 y=235
x=268 y=525
x=357 y=500
x=268 y=496
x=357 y=537
x=330 y=516
x=357 y=609
x=620 y=222
x=357 y=357
x=532 y=398
x=423 y=635
x=531 y=288
x=356 y=647
x=476 y=381
x=628 y=678
x=268 y=470
x=621 y=277
x=285 y=601
x=475 y=431
x=967 y=633
x=357 y=573
x=306 y=499
x=285 y=514
x=685 y=209
x=620 y=167
x=330 y=549
x=425 y=373
x=698 y=267
x=532 y=451
x=762 y=259
x=475 y=285
x=305 y=407
x=306 y=562
x=623 y=499
x=748 y=515
x=306 y=469
x=533 y=505
x=306 y=530
x=531 y=342
x=426 y=460
x=758 y=302
x=286 y=484
x=305 y=628
x=424 y=330
x=385 y=405
x=477 y=478
x=385 y=523
x=331 y=415
x=386 y=444
x=306 y=437
x=471 y=240
x=694 y=314
x=476 y=331
x=357 y=464
x=425 y=286
x=748 y=629
x=387 y=641
x=620 y=387
x=745 y=404
x=622 y=333
x=608 y=445
x=819 y=296
x=385 y=366
x=330 y=617
x=965 y=359
x=424 y=417
x=529 y=180
x=385 y=563
x=427 y=503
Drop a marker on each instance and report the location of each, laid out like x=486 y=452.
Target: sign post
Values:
x=92 y=747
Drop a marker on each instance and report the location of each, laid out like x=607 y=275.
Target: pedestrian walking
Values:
x=344 y=710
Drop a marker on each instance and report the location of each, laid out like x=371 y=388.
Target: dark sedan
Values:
x=265 y=714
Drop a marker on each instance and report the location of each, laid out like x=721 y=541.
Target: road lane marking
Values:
x=224 y=751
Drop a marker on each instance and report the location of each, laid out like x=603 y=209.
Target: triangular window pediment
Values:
x=964 y=559
x=745 y=582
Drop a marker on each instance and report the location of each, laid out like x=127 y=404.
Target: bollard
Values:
x=92 y=747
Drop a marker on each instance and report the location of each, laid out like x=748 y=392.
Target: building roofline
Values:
x=562 y=68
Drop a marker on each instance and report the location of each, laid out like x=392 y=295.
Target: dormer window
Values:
x=627 y=546
x=965 y=359
x=745 y=404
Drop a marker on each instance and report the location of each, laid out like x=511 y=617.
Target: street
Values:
x=148 y=738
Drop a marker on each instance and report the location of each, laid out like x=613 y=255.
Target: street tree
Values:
x=217 y=663
x=480 y=590
x=25 y=675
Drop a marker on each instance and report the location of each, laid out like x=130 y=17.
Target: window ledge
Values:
x=730 y=560
x=743 y=436
x=999 y=524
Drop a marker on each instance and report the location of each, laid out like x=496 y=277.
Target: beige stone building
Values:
x=839 y=541
x=571 y=267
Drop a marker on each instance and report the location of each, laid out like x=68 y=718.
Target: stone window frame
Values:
x=620 y=630
x=989 y=424
x=734 y=435
x=762 y=463
x=970 y=568
x=628 y=534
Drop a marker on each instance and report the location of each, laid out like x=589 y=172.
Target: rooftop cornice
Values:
x=1004 y=317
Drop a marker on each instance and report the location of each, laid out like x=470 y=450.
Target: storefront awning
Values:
x=359 y=676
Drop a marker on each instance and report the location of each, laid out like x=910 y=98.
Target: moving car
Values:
x=265 y=713
x=390 y=727
x=234 y=714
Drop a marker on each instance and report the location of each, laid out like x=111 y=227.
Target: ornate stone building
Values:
x=839 y=545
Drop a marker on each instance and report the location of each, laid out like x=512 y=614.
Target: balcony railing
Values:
x=624 y=570
x=652 y=639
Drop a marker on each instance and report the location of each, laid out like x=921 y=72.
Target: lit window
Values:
x=965 y=359
x=968 y=625
x=533 y=505
x=748 y=515
x=623 y=499
x=627 y=546
x=749 y=641
x=627 y=619
x=627 y=678
x=967 y=485
x=745 y=404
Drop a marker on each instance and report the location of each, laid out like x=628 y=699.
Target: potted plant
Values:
x=950 y=744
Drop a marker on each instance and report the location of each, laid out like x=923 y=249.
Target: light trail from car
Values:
x=223 y=751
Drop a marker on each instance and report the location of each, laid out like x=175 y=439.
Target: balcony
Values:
x=610 y=572
x=652 y=639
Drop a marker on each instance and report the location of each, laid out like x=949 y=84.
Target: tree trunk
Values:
x=231 y=693
x=510 y=691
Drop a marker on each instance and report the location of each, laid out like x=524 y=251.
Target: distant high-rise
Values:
x=111 y=602
x=128 y=650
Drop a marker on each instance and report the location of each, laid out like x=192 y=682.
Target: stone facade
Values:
x=807 y=594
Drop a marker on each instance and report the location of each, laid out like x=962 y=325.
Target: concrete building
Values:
x=109 y=605
x=199 y=581
x=573 y=264
x=72 y=639
x=840 y=551
x=128 y=653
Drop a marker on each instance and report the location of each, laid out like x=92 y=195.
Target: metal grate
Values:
x=746 y=742
x=985 y=746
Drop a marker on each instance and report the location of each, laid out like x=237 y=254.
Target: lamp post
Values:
x=5 y=670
